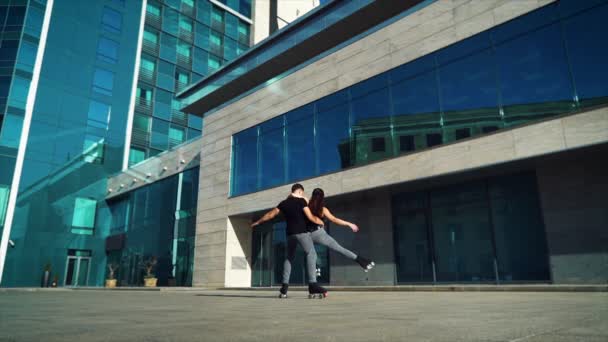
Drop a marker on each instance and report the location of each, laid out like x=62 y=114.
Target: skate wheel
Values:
x=282 y=296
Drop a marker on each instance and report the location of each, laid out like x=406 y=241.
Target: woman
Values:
x=320 y=236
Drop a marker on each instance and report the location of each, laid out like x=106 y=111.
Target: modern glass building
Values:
x=86 y=90
x=467 y=140
x=448 y=131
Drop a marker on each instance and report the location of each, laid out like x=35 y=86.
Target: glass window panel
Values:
x=300 y=143
x=84 y=212
x=217 y=14
x=99 y=115
x=587 y=57
x=4 y=192
x=272 y=162
x=245 y=161
x=147 y=64
x=27 y=56
x=103 y=82
x=136 y=155
x=168 y=48
x=193 y=133
x=413 y=248
x=19 y=91
x=230 y=47
x=412 y=69
x=463 y=48
x=177 y=134
x=107 y=50
x=33 y=24
x=185 y=24
x=166 y=72
x=469 y=95
x=11 y=131
x=520 y=239
x=332 y=132
x=199 y=62
x=153 y=9
x=524 y=24
x=151 y=36
x=162 y=104
x=170 y=21
x=416 y=110
x=214 y=63
x=216 y=38
x=160 y=134
x=201 y=37
x=534 y=80
x=371 y=119
x=141 y=122
x=232 y=23
x=184 y=49
x=462 y=234
x=111 y=20
x=93 y=148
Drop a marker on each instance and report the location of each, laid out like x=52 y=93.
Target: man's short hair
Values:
x=296 y=187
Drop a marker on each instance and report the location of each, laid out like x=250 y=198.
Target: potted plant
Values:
x=111 y=280
x=46 y=276
x=150 y=278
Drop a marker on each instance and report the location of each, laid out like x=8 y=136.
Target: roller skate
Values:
x=365 y=263
x=316 y=291
x=283 y=291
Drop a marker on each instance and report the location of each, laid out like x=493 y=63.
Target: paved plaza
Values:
x=193 y=315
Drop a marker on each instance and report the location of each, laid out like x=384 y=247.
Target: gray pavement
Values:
x=343 y=316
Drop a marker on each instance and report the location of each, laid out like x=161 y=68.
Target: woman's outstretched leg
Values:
x=321 y=237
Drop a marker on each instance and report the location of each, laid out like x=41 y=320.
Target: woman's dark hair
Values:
x=316 y=202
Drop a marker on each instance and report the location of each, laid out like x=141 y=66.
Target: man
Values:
x=297 y=214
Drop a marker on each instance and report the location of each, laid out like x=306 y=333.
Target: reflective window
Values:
x=162 y=103
x=107 y=50
x=150 y=36
x=111 y=20
x=4 y=192
x=587 y=57
x=333 y=132
x=160 y=134
x=371 y=119
x=185 y=24
x=245 y=161
x=136 y=155
x=11 y=131
x=103 y=82
x=84 y=213
x=153 y=9
x=177 y=135
x=99 y=115
x=534 y=80
x=300 y=143
x=141 y=122
x=272 y=161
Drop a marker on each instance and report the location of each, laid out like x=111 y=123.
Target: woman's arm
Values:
x=341 y=222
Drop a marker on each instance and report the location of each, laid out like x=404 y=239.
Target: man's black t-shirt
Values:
x=293 y=210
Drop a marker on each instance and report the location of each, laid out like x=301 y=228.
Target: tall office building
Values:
x=87 y=88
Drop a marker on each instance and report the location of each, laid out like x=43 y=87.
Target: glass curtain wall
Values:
x=20 y=28
x=157 y=221
x=76 y=138
x=482 y=232
x=183 y=42
x=542 y=64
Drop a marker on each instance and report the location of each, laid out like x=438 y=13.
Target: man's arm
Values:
x=312 y=217
x=267 y=217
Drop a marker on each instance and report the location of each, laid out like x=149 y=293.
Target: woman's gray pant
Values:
x=321 y=237
x=305 y=240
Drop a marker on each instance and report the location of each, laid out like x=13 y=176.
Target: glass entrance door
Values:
x=77 y=269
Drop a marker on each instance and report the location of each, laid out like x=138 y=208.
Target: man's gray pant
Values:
x=321 y=237
x=305 y=240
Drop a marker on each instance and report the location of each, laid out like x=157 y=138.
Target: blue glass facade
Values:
x=76 y=140
x=539 y=65
x=155 y=221
x=183 y=42
x=20 y=27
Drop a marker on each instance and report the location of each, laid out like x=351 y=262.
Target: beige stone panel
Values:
x=415 y=166
x=386 y=172
x=213 y=214
x=211 y=238
x=538 y=139
x=479 y=23
x=355 y=179
x=585 y=129
x=451 y=158
x=470 y=9
x=331 y=184
x=424 y=30
x=206 y=226
x=364 y=57
x=210 y=251
x=513 y=9
x=206 y=278
x=364 y=72
x=492 y=149
x=211 y=263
